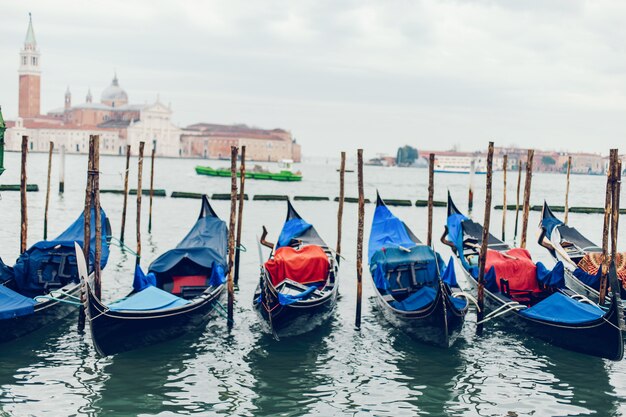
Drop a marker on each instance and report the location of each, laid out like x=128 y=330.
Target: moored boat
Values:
x=43 y=286
x=530 y=298
x=256 y=173
x=416 y=291
x=298 y=286
x=179 y=293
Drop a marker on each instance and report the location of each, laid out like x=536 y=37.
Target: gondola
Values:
x=580 y=256
x=416 y=291
x=179 y=293
x=298 y=286
x=44 y=286
x=529 y=297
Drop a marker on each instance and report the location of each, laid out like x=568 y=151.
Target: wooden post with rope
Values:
x=342 y=174
x=139 y=180
x=23 y=206
x=125 y=203
x=431 y=191
x=569 y=167
x=86 y=231
x=616 y=285
x=231 y=234
x=95 y=189
x=242 y=181
x=527 y=185
x=519 y=182
x=605 y=228
x=359 y=241
x=151 y=188
x=484 y=244
x=505 y=159
x=47 y=205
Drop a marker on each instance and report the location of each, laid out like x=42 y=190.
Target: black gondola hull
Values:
x=294 y=319
x=118 y=331
x=601 y=337
x=438 y=324
x=46 y=313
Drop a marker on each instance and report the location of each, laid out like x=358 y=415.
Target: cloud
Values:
x=342 y=74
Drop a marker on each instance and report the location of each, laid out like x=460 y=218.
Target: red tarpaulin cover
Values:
x=521 y=272
x=306 y=265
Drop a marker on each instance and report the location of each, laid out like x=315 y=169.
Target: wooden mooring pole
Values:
x=45 y=211
x=23 y=207
x=151 y=189
x=519 y=182
x=470 y=194
x=527 y=185
x=431 y=191
x=616 y=285
x=231 y=234
x=569 y=167
x=87 y=229
x=505 y=159
x=242 y=181
x=95 y=189
x=484 y=245
x=62 y=169
x=139 y=180
x=359 y=241
x=606 y=226
x=342 y=175
x=124 y=204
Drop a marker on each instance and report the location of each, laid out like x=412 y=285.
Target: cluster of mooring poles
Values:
x=608 y=274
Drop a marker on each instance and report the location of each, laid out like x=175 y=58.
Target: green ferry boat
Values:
x=257 y=173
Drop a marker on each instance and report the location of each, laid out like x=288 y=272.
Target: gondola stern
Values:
x=452 y=208
x=206 y=210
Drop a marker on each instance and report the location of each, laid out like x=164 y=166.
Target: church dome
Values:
x=114 y=95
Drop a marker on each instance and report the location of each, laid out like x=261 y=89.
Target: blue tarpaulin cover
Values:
x=141 y=280
x=39 y=265
x=554 y=278
x=561 y=308
x=419 y=299
x=387 y=232
x=291 y=230
x=549 y=224
x=149 y=299
x=591 y=280
x=206 y=243
x=287 y=299
x=13 y=304
x=423 y=258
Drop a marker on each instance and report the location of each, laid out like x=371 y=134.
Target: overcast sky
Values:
x=343 y=74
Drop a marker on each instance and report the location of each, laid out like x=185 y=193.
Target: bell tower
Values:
x=30 y=75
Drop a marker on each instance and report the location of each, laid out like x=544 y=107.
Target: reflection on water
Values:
x=336 y=370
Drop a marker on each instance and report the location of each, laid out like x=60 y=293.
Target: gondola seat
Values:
x=187 y=286
x=307 y=265
x=516 y=267
x=149 y=299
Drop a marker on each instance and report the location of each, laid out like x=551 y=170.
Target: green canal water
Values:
x=335 y=371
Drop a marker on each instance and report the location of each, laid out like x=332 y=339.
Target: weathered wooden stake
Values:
x=231 y=233
x=569 y=167
x=359 y=241
x=95 y=189
x=519 y=181
x=24 y=214
x=139 y=178
x=125 y=194
x=470 y=195
x=342 y=175
x=86 y=230
x=605 y=229
x=505 y=159
x=45 y=212
x=616 y=285
x=151 y=189
x=527 y=185
x=431 y=191
x=484 y=245
x=242 y=180
x=62 y=169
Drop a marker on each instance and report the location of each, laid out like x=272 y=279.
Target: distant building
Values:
x=213 y=141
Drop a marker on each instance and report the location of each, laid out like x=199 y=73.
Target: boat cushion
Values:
x=563 y=309
x=149 y=299
x=517 y=268
x=395 y=269
x=592 y=262
x=13 y=304
x=416 y=301
x=306 y=265
x=189 y=281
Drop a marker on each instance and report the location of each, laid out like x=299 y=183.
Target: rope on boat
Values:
x=502 y=310
x=115 y=241
x=241 y=248
x=468 y=297
x=60 y=300
x=581 y=298
x=222 y=311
